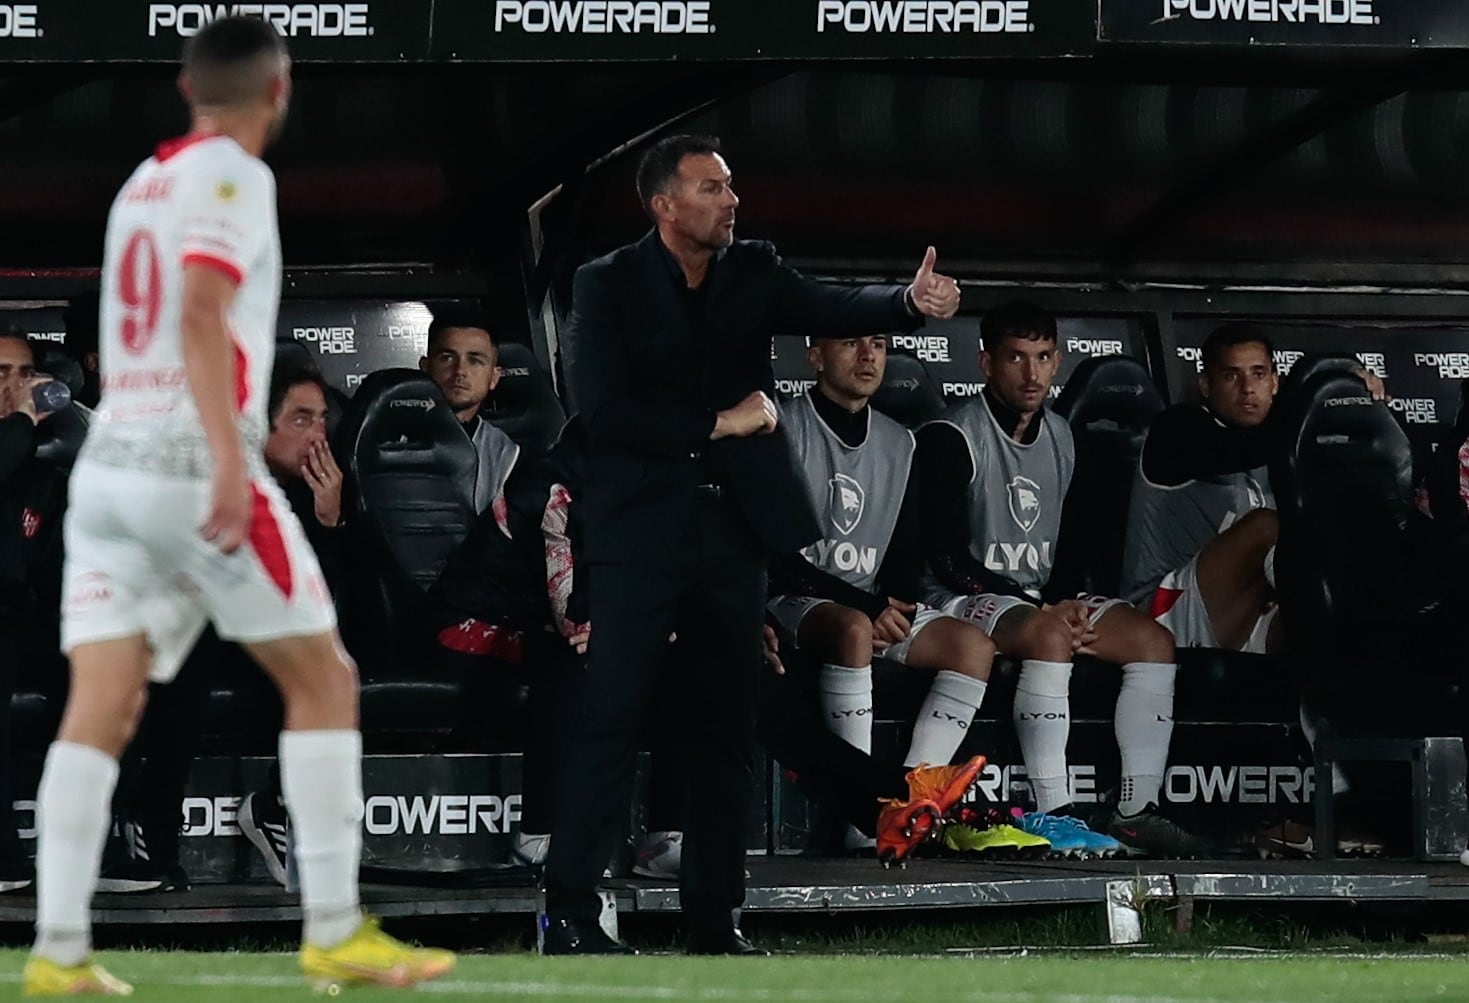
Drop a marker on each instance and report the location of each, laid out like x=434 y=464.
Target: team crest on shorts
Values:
x=1025 y=502
x=30 y=523
x=845 y=503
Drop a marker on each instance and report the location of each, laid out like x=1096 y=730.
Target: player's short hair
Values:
x=232 y=61
x=1230 y=335
x=458 y=315
x=13 y=331
x=1016 y=319
x=658 y=170
x=283 y=380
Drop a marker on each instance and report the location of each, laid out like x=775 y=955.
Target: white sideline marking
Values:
x=535 y=989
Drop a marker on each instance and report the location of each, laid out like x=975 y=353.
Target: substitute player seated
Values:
x=850 y=595
x=1199 y=554
x=994 y=477
x=175 y=522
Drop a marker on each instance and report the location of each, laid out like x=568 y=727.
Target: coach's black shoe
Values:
x=730 y=942
x=565 y=936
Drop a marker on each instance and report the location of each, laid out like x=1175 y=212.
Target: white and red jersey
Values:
x=199 y=200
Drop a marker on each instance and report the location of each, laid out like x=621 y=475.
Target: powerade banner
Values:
x=1393 y=23
x=534 y=30
x=78 y=31
x=390 y=31
x=949 y=349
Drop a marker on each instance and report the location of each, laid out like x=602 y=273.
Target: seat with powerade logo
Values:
x=524 y=405
x=410 y=474
x=1377 y=660
x=1109 y=402
x=908 y=394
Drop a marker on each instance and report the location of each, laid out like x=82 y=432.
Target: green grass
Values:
x=1059 y=977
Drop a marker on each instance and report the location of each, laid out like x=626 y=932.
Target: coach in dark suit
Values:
x=689 y=489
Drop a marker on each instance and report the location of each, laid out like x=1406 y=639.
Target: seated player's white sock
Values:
x=321 y=776
x=1270 y=567
x=846 y=703
x=1144 y=725
x=1043 y=724
x=73 y=814
x=944 y=718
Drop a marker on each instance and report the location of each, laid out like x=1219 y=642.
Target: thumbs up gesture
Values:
x=932 y=294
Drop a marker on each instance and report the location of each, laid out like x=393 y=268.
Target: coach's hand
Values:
x=25 y=400
x=932 y=294
x=579 y=636
x=771 y=650
x=230 y=502
x=755 y=415
x=892 y=625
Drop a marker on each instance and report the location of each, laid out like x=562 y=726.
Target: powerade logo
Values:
x=18 y=20
x=328 y=340
x=1450 y=365
x=925 y=17
x=1094 y=346
x=1327 y=12
x=605 y=17
x=928 y=347
x=294 y=20
x=793 y=387
x=1416 y=410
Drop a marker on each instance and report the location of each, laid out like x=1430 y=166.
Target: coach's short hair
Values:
x=1016 y=319
x=658 y=170
x=232 y=61
x=1229 y=335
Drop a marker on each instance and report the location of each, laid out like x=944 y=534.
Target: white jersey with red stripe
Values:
x=200 y=200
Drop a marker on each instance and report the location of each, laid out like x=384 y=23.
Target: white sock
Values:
x=943 y=721
x=1043 y=724
x=73 y=815
x=846 y=703
x=1339 y=783
x=1269 y=567
x=321 y=776
x=1144 y=725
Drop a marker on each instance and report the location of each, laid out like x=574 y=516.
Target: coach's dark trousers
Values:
x=713 y=597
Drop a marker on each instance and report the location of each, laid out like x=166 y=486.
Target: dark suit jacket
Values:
x=648 y=395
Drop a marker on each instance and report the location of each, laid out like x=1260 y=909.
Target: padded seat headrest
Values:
x=908 y=394
x=524 y=405
x=1332 y=427
x=1309 y=366
x=292 y=353
x=400 y=412
x=1109 y=388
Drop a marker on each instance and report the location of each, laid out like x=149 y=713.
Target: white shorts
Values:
x=985 y=610
x=1179 y=605
x=136 y=564
x=789 y=611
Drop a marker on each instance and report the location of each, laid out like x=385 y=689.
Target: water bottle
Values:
x=53 y=395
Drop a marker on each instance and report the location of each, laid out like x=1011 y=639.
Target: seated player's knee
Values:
x=1155 y=642
x=851 y=636
x=1263 y=527
x=971 y=651
x=1046 y=637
